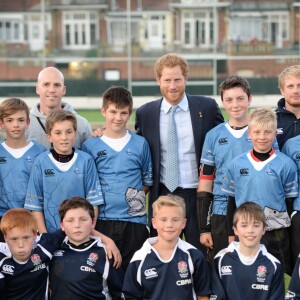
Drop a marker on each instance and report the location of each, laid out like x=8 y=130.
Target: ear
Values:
x=235 y=231
x=94 y=223
x=103 y=111
x=158 y=80
x=249 y=100
x=64 y=90
x=62 y=226
x=49 y=137
x=183 y=224
x=154 y=223
x=37 y=89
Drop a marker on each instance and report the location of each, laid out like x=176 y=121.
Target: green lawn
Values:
x=96 y=119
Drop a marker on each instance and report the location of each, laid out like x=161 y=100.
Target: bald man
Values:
x=51 y=88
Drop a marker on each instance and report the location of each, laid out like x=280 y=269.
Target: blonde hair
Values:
x=249 y=210
x=168 y=200
x=262 y=117
x=171 y=60
x=292 y=70
x=18 y=217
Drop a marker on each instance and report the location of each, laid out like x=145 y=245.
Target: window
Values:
x=80 y=29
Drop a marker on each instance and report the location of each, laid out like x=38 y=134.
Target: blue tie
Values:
x=172 y=166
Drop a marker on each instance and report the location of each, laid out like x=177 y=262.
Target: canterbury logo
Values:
x=223 y=141
x=244 y=171
x=2 y=160
x=49 y=172
x=298 y=156
x=102 y=153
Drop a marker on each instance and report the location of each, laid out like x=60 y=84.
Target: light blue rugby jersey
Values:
x=292 y=149
x=14 y=176
x=49 y=185
x=222 y=144
x=122 y=176
x=267 y=183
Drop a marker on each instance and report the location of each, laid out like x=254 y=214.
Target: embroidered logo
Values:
x=226 y=270
x=29 y=159
x=92 y=259
x=223 y=141
x=244 y=172
x=102 y=153
x=150 y=273
x=261 y=273
x=2 y=160
x=182 y=269
x=36 y=260
x=49 y=172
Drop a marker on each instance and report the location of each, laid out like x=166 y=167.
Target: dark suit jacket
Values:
x=205 y=114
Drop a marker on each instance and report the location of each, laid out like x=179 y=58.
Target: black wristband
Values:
x=204 y=208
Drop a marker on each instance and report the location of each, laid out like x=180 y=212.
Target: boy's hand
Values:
x=206 y=240
x=113 y=252
x=98 y=132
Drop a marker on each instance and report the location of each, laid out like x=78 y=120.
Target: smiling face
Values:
x=249 y=232
x=20 y=242
x=62 y=136
x=290 y=89
x=50 y=87
x=262 y=137
x=172 y=84
x=169 y=222
x=77 y=224
x=115 y=120
x=236 y=103
x=15 y=125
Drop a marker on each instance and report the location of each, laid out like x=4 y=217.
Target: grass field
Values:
x=96 y=119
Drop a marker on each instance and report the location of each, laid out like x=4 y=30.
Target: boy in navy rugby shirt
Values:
x=167 y=267
x=245 y=269
x=80 y=268
x=25 y=258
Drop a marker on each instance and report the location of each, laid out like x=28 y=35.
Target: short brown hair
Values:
x=119 y=96
x=169 y=200
x=171 y=60
x=292 y=70
x=18 y=217
x=59 y=116
x=249 y=210
x=263 y=117
x=234 y=81
x=11 y=106
x=75 y=202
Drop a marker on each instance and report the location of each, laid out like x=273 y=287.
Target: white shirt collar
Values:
x=183 y=104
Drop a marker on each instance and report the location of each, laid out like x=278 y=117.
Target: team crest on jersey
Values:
x=92 y=259
x=128 y=152
x=2 y=160
x=298 y=156
x=261 y=273
x=269 y=172
x=182 y=269
x=77 y=171
x=35 y=258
